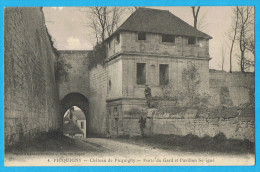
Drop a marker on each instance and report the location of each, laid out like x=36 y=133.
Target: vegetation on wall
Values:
x=60 y=65
x=97 y=56
x=225 y=96
x=61 y=68
x=191 y=80
x=188 y=96
x=135 y=111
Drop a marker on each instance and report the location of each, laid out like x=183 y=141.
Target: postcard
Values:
x=129 y=86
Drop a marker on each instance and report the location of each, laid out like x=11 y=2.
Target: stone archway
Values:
x=79 y=100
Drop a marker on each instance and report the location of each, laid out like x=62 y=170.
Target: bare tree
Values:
x=246 y=27
x=103 y=20
x=243 y=34
x=250 y=43
x=201 y=23
x=235 y=27
x=195 y=12
x=223 y=57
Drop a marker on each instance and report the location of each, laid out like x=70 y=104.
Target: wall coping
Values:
x=155 y=55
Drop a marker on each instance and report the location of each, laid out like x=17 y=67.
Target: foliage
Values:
x=168 y=93
x=60 y=65
x=191 y=79
x=61 y=68
x=189 y=96
x=225 y=97
x=135 y=111
x=172 y=110
x=97 y=56
x=193 y=143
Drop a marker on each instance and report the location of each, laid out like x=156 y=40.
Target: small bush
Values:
x=61 y=67
x=220 y=137
x=135 y=111
x=97 y=56
x=193 y=143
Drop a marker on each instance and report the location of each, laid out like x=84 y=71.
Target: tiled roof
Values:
x=78 y=114
x=159 y=21
x=71 y=128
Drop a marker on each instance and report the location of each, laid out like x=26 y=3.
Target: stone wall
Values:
x=31 y=98
x=235 y=127
x=240 y=87
x=97 y=100
x=77 y=80
x=238 y=125
x=114 y=77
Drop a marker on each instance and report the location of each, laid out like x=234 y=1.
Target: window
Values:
x=191 y=40
x=82 y=125
x=164 y=74
x=118 y=38
x=141 y=74
x=141 y=36
x=109 y=44
x=168 y=38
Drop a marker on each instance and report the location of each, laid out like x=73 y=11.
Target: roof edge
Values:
x=119 y=29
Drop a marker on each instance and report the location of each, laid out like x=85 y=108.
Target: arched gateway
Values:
x=76 y=99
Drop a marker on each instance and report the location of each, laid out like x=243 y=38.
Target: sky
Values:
x=68 y=27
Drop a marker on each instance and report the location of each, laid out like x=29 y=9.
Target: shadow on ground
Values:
x=192 y=143
x=54 y=142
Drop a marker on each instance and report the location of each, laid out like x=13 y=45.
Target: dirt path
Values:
x=107 y=152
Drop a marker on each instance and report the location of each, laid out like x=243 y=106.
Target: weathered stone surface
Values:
x=240 y=87
x=234 y=127
x=31 y=97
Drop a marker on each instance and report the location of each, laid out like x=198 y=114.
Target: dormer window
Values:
x=191 y=40
x=168 y=38
x=141 y=36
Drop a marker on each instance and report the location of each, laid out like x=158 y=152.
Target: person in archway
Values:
x=148 y=95
x=142 y=122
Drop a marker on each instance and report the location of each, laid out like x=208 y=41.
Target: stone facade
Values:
x=240 y=87
x=97 y=100
x=82 y=125
x=128 y=42
x=31 y=97
x=123 y=56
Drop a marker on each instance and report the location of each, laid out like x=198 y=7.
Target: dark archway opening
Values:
x=73 y=107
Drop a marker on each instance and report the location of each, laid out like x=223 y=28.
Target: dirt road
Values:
x=107 y=152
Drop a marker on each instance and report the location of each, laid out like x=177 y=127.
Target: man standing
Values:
x=148 y=95
x=142 y=122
